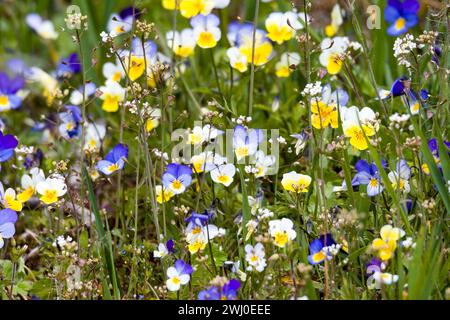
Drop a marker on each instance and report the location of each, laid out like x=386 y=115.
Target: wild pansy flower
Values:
x=113 y=71
x=9 y=199
x=203 y=134
x=433 y=146
x=237 y=59
x=336 y=21
x=178 y=275
x=282 y=231
x=223 y=174
x=7 y=145
x=300 y=143
x=296 y=182
x=152 y=122
x=182 y=43
x=68 y=66
x=122 y=22
x=191 y=8
x=416 y=100
x=368 y=174
x=324 y=112
x=241 y=37
x=387 y=244
x=177 y=177
x=400 y=177
x=255 y=257
x=281 y=26
x=95 y=133
x=402 y=15
x=199 y=232
x=70 y=126
x=206 y=30
x=136 y=62
x=51 y=189
x=319 y=249
x=263 y=163
x=114 y=160
x=29 y=184
x=207 y=161
x=246 y=141
x=333 y=50
x=164 y=249
x=44 y=28
x=287 y=64
x=382 y=278
x=76 y=97
x=227 y=291
x=111 y=93
x=163 y=194
x=9 y=88
x=7 y=229
x=358 y=124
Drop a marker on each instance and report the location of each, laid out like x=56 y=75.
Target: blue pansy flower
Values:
x=177 y=177
x=114 y=160
x=196 y=220
x=227 y=292
x=368 y=174
x=8 y=92
x=318 y=249
x=8 y=218
x=70 y=126
x=68 y=66
x=246 y=141
x=7 y=145
x=402 y=15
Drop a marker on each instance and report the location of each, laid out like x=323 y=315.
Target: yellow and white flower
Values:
x=255 y=257
x=112 y=94
x=281 y=26
x=192 y=8
x=163 y=194
x=282 y=231
x=295 y=182
x=206 y=30
x=336 y=21
x=113 y=71
x=9 y=199
x=223 y=174
x=51 y=189
x=95 y=133
x=238 y=60
x=359 y=124
x=44 y=28
x=182 y=43
x=333 y=50
x=263 y=163
x=29 y=184
x=287 y=64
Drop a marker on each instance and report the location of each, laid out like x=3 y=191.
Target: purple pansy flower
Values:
x=318 y=249
x=402 y=15
x=70 y=126
x=7 y=145
x=114 y=160
x=368 y=174
x=8 y=89
x=177 y=177
x=227 y=292
x=178 y=275
x=246 y=141
x=68 y=66
x=8 y=218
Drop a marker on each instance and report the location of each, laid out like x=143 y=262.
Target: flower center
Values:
x=3 y=100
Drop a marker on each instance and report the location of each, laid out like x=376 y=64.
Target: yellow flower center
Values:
x=49 y=196
x=223 y=178
x=176 y=184
x=281 y=238
x=400 y=23
x=176 y=280
x=242 y=152
x=3 y=100
x=111 y=103
x=206 y=40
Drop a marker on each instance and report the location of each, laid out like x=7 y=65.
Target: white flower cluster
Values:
x=408 y=243
x=403 y=47
x=63 y=243
x=264 y=213
x=280 y=140
x=333 y=249
x=160 y=154
x=312 y=89
x=241 y=119
x=76 y=20
x=251 y=170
